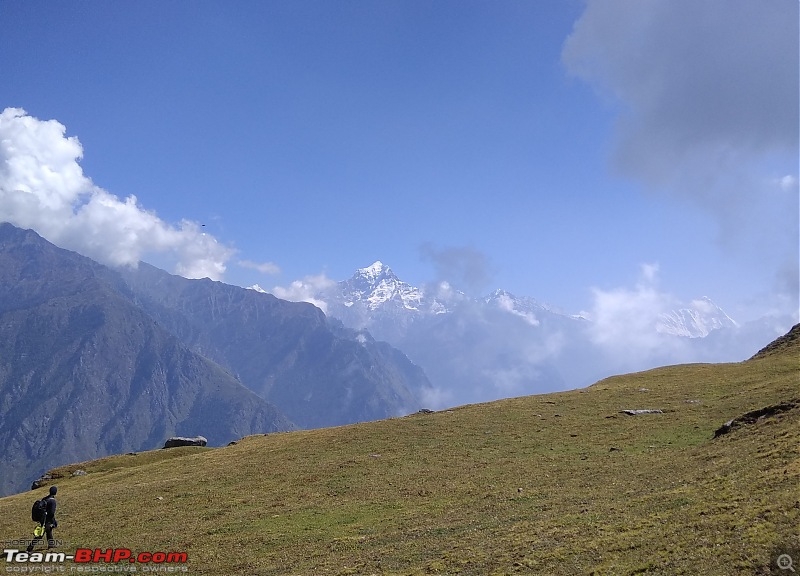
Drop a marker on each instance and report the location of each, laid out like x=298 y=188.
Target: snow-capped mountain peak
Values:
x=506 y=301
x=697 y=320
x=375 y=295
x=523 y=304
x=376 y=285
x=375 y=270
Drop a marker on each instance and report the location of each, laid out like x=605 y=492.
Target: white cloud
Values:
x=624 y=319
x=42 y=187
x=788 y=183
x=306 y=290
x=264 y=267
x=437 y=398
x=504 y=302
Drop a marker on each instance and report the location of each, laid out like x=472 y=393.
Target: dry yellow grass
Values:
x=552 y=484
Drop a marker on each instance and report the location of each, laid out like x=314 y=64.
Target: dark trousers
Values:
x=48 y=531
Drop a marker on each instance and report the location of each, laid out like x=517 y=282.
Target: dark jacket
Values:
x=51 y=510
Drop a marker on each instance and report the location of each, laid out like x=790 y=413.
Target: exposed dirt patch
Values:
x=755 y=415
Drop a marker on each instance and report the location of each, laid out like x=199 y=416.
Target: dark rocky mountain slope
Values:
x=314 y=369
x=94 y=361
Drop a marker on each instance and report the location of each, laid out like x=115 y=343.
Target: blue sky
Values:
x=558 y=149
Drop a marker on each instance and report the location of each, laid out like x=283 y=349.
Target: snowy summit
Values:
x=376 y=285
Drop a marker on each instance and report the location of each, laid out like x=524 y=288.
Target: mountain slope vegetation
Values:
x=563 y=483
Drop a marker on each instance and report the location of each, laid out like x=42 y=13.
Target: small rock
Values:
x=79 y=473
x=38 y=483
x=724 y=429
x=615 y=449
x=637 y=412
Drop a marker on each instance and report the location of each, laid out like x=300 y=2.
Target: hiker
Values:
x=48 y=522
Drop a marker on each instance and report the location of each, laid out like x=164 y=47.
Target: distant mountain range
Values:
x=375 y=292
x=478 y=349
x=95 y=361
x=698 y=321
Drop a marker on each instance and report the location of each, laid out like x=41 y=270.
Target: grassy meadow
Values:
x=556 y=484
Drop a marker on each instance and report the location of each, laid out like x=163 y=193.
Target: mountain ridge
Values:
x=95 y=360
x=278 y=347
x=83 y=372
x=502 y=345
x=377 y=284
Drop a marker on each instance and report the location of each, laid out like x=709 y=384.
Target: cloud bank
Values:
x=707 y=97
x=465 y=267
x=306 y=290
x=704 y=84
x=43 y=187
x=624 y=319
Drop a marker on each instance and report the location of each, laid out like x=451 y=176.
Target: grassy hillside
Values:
x=553 y=484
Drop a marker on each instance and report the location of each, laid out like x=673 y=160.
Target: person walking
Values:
x=49 y=522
